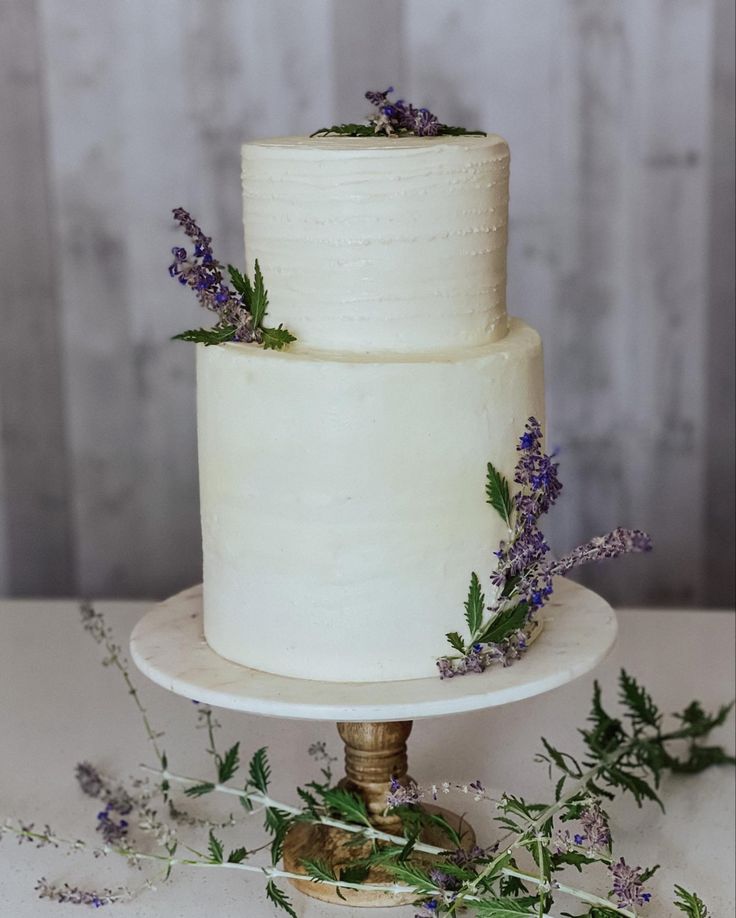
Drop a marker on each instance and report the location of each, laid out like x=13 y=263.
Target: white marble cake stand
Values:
x=374 y=719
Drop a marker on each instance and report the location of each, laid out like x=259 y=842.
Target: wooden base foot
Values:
x=374 y=754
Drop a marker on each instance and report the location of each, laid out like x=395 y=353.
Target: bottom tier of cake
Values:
x=343 y=499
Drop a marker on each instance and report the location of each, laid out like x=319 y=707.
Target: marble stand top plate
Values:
x=168 y=646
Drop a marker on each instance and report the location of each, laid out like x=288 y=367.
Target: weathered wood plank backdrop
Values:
x=619 y=120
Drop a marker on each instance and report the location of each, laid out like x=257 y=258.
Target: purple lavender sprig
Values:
x=240 y=309
x=395 y=119
x=523 y=578
x=628 y=885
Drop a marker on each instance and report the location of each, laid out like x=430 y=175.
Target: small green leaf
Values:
x=242 y=285
x=214 y=846
x=259 y=770
x=349 y=806
x=575 y=858
x=199 y=790
x=347 y=130
x=276 y=338
x=309 y=800
x=236 y=856
x=208 y=336
x=503 y=908
x=259 y=302
x=474 y=605
x=319 y=871
x=274 y=819
x=413 y=876
x=690 y=903
x=504 y=624
x=642 y=710
x=228 y=765
x=279 y=898
x=456 y=642
x=497 y=491
x=355 y=873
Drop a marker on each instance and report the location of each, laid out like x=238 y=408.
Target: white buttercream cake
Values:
x=342 y=479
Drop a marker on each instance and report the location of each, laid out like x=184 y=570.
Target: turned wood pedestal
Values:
x=374 y=753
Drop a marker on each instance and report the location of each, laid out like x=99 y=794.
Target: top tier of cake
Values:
x=385 y=244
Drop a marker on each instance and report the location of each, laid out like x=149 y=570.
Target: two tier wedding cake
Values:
x=342 y=479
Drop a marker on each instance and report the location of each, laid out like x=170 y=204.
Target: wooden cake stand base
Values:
x=374 y=753
x=373 y=719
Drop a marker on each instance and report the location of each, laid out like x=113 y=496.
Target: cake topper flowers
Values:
x=240 y=311
x=523 y=579
x=395 y=119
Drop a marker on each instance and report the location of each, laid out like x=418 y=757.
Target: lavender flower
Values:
x=403 y=794
x=204 y=274
x=443 y=880
x=618 y=542
x=113 y=832
x=402 y=116
x=595 y=825
x=628 y=885
x=73 y=895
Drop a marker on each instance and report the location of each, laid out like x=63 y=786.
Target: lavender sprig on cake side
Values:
x=240 y=308
x=523 y=579
x=395 y=119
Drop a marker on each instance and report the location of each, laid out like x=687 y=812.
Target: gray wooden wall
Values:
x=619 y=117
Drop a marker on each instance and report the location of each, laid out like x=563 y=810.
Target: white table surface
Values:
x=60 y=706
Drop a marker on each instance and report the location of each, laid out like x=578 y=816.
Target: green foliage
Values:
x=228 y=764
x=474 y=605
x=413 y=875
x=606 y=734
x=237 y=855
x=504 y=624
x=367 y=130
x=498 y=495
x=455 y=641
x=242 y=285
x=199 y=790
x=348 y=806
x=259 y=300
x=414 y=819
x=641 y=709
x=207 y=336
x=214 y=846
x=310 y=802
x=503 y=908
x=275 y=339
x=279 y=827
x=346 y=130
x=319 y=870
x=354 y=873
x=279 y=898
x=254 y=298
x=690 y=903
x=259 y=771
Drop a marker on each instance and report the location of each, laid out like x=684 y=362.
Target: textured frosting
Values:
x=343 y=503
x=381 y=244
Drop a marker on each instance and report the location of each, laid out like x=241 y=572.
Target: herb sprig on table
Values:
x=240 y=308
x=523 y=580
x=520 y=874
